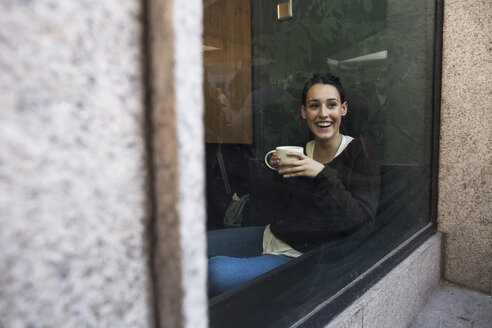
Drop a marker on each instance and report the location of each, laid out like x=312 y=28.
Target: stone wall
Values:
x=72 y=165
x=465 y=177
x=398 y=297
x=178 y=160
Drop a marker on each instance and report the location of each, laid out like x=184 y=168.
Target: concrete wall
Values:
x=175 y=67
x=72 y=172
x=396 y=299
x=465 y=178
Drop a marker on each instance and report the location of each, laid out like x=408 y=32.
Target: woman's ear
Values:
x=344 y=108
x=303 y=112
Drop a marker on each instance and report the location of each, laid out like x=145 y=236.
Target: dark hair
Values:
x=326 y=78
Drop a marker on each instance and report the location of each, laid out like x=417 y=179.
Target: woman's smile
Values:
x=324 y=124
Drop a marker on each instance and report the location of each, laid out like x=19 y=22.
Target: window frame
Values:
x=329 y=309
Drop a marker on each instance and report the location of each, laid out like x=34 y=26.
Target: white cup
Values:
x=282 y=153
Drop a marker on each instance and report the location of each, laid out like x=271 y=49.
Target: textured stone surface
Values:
x=465 y=217
x=350 y=318
x=465 y=178
x=72 y=172
x=189 y=102
x=454 y=307
x=454 y=1
x=178 y=148
x=397 y=298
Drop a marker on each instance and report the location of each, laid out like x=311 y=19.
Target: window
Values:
x=255 y=68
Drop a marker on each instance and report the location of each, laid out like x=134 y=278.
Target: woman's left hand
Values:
x=303 y=166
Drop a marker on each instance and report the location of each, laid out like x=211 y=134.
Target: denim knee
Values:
x=220 y=277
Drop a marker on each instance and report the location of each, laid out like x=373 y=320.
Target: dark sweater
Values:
x=340 y=200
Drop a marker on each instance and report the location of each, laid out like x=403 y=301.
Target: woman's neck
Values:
x=325 y=150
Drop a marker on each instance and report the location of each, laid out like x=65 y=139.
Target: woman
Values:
x=326 y=195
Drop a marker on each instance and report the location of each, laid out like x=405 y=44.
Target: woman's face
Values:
x=323 y=111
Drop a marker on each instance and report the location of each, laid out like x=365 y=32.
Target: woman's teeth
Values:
x=324 y=124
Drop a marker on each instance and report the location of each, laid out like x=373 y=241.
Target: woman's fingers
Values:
x=294 y=174
x=295 y=154
x=293 y=168
x=275 y=159
x=305 y=167
x=294 y=162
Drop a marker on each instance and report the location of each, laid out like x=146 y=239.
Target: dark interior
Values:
x=282 y=296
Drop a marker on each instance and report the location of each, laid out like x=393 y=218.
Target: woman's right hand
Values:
x=274 y=160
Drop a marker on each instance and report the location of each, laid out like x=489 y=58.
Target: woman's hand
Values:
x=274 y=160
x=303 y=166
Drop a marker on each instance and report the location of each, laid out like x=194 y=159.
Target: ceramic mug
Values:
x=282 y=153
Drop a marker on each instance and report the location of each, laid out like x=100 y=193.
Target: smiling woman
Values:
x=332 y=193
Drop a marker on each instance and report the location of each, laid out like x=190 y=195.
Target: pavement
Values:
x=451 y=306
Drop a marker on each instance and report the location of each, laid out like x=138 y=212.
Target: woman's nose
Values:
x=324 y=110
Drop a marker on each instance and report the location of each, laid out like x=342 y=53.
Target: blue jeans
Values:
x=235 y=258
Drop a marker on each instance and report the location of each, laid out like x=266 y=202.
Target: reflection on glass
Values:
x=227 y=66
x=255 y=68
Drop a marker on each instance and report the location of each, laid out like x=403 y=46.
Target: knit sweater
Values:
x=340 y=200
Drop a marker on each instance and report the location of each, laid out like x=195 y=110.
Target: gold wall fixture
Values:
x=284 y=10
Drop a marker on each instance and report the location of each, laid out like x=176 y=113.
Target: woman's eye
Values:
x=313 y=106
x=332 y=105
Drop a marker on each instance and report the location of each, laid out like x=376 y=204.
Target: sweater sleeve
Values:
x=347 y=190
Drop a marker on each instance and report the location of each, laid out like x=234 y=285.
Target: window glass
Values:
x=324 y=230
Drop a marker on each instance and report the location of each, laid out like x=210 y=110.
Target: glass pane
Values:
x=255 y=69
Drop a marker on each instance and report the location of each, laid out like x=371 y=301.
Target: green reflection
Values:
x=381 y=55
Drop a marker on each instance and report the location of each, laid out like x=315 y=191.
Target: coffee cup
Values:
x=282 y=153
